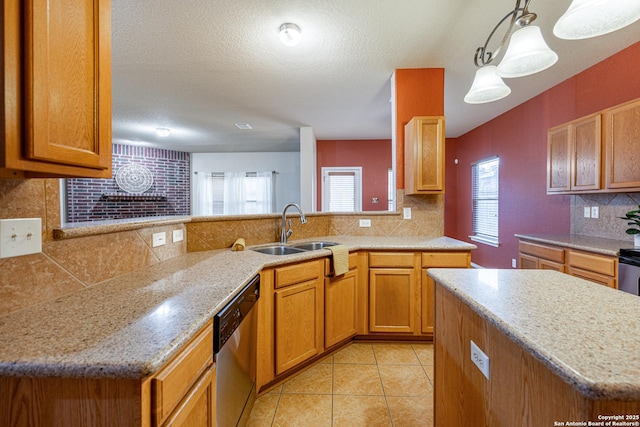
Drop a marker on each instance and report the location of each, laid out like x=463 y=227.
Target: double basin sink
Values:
x=280 y=249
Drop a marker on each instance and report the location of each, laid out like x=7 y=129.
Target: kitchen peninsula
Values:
x=560 y=349
x=103 y=346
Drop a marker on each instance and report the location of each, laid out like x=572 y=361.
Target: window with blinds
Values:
x=341 y=189
x=484 y=187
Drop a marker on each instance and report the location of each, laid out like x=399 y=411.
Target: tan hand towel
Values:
x=238 y=245
x=340 y=259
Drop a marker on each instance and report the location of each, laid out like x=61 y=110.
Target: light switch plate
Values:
x=159 y=239
x=365 y=223
x=480 y=359
x=178 y=235
x=587 y=212
x=22 y=236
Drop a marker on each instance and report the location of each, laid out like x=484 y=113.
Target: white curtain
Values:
x=266 y=189
x=235 y=195
x=203 y=194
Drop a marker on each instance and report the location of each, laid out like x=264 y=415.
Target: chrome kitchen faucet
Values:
x=284 y=235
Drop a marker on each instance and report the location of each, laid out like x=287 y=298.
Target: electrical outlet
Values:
x=480 y=359
x=159 y=239
x=595 y=212
x=514 y=264
x=365 y=223
x=21 y=236
x=178 y=235
x=587 y=212
x=407 y=213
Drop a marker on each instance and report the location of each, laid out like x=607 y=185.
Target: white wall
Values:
x=308 y=156
x=287 y=164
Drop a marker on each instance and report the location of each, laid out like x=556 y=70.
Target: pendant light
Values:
x=591 y=18
x=527 y=54
x=487 y=86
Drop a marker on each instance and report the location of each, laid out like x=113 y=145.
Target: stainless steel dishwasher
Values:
x=234 y=342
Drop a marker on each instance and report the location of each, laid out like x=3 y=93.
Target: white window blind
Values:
x=484 y=186
x=341 y=189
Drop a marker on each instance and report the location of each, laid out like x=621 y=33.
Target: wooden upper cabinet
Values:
x=574 y=155
x=57 y=79
x=622 y=136
x=424 y=155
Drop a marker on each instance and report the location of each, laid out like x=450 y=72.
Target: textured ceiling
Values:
x=200 y=66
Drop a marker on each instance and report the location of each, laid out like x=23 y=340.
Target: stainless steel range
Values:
x=629 y=271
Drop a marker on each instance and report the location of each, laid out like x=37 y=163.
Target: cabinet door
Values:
x=587 y=153
x=57 y=78
x=392 y=300
x=198 y=407
x=545 y=264
x=558 y=159
x=428 y=303
x=340 y=307
x=622 y=128
x=528 y=262
x=424 y=155
x=298 y=324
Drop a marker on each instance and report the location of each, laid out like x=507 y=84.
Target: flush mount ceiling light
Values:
x=290 y=34
x=163 y=132
x=527 y=54
x=591 y=18
x=243 y=126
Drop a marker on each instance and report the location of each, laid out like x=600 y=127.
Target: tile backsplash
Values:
x=611 y=206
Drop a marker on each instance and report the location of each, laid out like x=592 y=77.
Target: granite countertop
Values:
x=129 y=326
x=585 y=243
x=587 y=334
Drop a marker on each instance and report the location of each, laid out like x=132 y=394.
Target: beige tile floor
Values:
x=363 y=384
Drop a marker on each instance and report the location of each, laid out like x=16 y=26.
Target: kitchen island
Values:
x=561 y=350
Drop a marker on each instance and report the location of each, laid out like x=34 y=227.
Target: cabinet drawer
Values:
x=296 y=273
x=171 y=383
x=597 y=263
x=446 y=259
x=391 y=259
x=353 y=263
x=542 y=251
x=594 y=277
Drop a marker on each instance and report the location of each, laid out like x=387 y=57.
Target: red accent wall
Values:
x=519 y=138
x=419 y=92
x=374 y=155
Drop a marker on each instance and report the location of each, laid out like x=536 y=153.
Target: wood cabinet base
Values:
x=521 y=391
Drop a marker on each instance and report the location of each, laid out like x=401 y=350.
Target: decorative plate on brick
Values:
x=134 y=178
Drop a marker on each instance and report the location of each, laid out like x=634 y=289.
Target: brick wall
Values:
x=170 y=170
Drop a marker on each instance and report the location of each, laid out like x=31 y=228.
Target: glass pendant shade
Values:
x=591 y=18
x=487 y=87
x=527 y=53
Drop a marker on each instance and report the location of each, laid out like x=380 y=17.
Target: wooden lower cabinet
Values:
x=539 y=256
x=341 y=305
x=298 y=322
x=184 y=390
x=392 y=300
x=394 y=292
x=597 y=268
x=182 y=393
x=437 y=260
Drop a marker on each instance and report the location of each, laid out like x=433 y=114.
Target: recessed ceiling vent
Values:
x=243 y=126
